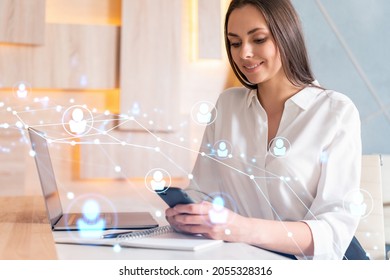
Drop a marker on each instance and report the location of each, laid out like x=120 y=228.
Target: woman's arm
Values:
x=286 y=237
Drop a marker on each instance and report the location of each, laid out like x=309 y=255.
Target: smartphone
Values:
x=173 y=196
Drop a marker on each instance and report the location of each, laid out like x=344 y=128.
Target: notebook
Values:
x=77 y=221
x=156 y=238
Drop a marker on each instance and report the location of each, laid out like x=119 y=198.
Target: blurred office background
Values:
x=156 y=61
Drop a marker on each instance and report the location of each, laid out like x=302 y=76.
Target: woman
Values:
x=295 y=148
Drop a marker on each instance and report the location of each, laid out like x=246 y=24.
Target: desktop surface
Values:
x=25 y=230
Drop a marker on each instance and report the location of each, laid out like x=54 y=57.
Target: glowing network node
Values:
x=91 y=209
x=32 y=153
x=123 y=143
x=158 y=213
x=151 y=122
x=252 y=177
x=2 y=104
x=158 y=139
x=157 y=179
x=324 y=157
x=71 y=100
x=70 y=195
x=289 y=234
x=83 y=80
x=49 y=141
x=9 y=109
x=118 y=169
x=106 y=113
x=190 y=176
x=157 y=149
x=96 y=141
x=202 y=154
x=279 y=147
x=117 y=248
x=21 y=90
x=19 y=124
x=72 y=143
x=228 y=231
x=201 y=113
x=181 y=139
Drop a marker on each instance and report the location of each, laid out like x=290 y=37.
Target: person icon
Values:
x=204 y=114
x=158 y=183
x=135 y=110
x=357 y=207
x=90 y=224
x=279 y=149
x=218 y=213
x=22 y=90
x=222 y=151
x=77 y=124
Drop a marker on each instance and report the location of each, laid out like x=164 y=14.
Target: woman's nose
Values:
x=246 y=51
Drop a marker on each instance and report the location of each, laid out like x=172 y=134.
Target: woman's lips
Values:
x=252 y=67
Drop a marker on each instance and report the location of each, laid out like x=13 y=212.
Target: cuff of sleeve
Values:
x=322 y=239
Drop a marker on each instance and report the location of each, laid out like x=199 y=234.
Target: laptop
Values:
x=77 y=221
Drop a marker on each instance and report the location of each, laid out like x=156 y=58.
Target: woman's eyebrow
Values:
x=248 y=33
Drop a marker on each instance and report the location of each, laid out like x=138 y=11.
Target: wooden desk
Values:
x=25 y=232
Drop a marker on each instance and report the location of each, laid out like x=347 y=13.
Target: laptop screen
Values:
x=46 y=175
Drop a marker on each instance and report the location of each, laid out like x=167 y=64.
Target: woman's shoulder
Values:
x=334 y=97
x=337 y=96
x=338 y=103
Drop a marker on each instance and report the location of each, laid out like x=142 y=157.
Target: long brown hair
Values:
x=285 y=27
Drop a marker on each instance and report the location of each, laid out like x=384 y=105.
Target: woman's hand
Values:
x=210 y=221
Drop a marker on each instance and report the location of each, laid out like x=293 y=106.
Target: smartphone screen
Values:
x=173 y=196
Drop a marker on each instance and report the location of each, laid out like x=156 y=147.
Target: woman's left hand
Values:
x=203 y=218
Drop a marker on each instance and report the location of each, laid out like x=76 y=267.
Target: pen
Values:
x=116 y=234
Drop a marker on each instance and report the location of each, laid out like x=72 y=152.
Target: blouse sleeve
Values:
x=330 y=218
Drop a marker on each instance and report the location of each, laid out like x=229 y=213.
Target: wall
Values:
x=75 y=65
x=65 y=52
x=349 y=52
x=165 y=71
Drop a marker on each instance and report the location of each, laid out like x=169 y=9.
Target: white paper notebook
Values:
x=157 y=238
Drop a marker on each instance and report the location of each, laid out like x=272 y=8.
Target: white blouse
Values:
x=308 y=172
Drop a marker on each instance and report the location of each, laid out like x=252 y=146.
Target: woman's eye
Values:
x=260 y=41
x=235 y=45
